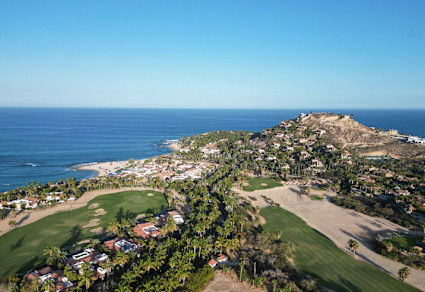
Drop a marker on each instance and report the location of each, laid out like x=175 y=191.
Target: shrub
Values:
x=199 y=279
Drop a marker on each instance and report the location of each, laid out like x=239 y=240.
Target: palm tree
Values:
x=121 y=258
x=55 y=256
x=122 y=288
x=94 y=243
x=148 y=264
x=183 y=271
x=114 y=226
x=48 y=285
x=404 y=273
x=128 y=278
x=86 y=276
x=354 y=245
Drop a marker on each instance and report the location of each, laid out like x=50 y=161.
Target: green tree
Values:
x=404 y=273
x=86 y=276
x=55 y=256
x=353 y=245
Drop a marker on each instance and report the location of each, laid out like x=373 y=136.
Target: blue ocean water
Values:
x=42 y=144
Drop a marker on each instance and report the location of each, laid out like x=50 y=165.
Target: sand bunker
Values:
x=97 y=231
x=99 y=212
x=93 y=206
x=150 y=195
x=141 y=216
x=92 y=223
x=264 y=184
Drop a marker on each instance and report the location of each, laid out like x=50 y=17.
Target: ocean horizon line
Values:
x=209 y=108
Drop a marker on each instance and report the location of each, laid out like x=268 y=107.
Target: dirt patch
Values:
x=93 y=206
x=92 y=223
x=97 y=231
x=150 y=195
x=82 y=242
x=222 y=282
x=99 y=212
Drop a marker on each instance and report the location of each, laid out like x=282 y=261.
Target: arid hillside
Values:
x=343 y=130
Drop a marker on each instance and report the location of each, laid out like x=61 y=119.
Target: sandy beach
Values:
x=28 y=217
x=339 y=225
x=173 y=146
x=105 y=168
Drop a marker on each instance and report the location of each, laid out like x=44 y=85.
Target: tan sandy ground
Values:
x=140 y=216
x=99 y=212
x=174 y=146
x=150 y=195
x=97 y=231
x=339 y=225
x=104 y=168
x=93 y=206
x=92 y=223
x=222 y=282
x=32 y=216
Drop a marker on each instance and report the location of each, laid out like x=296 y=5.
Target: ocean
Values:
x=43 y=144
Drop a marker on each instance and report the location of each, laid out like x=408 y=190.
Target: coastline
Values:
x=107 y=167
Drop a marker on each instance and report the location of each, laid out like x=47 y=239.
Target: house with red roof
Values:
x=61 y=282
x=147 y=230
x=212 y=263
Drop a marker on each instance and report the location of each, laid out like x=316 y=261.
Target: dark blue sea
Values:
x=42 y=144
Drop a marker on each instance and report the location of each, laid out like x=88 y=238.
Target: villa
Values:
x=147 y=230
x=124 y=245
x=89 y=255
x=162 y=219
x=62 y=284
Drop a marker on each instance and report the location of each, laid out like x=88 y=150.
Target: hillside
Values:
x=345 y=131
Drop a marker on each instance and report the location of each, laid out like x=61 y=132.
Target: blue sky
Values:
x=213 y=54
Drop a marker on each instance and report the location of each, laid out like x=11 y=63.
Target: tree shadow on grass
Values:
x=32 y=264
x=17 y=244
x=75 y=235
x=121 y=214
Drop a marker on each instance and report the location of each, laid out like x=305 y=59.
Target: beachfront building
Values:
x=19 y=204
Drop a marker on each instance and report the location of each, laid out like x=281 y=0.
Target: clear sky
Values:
x=213 y=54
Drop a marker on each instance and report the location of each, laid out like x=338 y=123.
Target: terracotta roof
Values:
x=45 y=271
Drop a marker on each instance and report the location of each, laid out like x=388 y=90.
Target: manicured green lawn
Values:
x=318 y=256
x=261 y=183
x=22 y=248
x=405 y=242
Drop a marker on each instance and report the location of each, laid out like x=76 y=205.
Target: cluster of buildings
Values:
x=93 y=258
x=415 y=140
x=166 y=169
x=32 y=202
